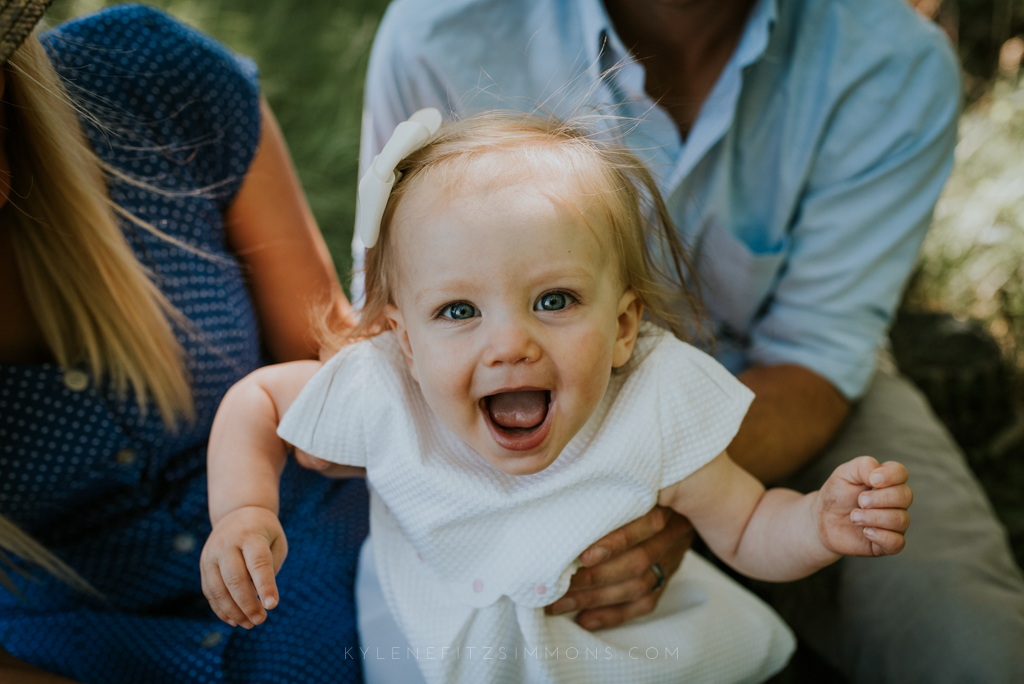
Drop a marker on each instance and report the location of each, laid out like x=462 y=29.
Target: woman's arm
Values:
x=781 y=535
x=272 y=231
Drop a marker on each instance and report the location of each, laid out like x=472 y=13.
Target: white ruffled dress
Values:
x=468 y=556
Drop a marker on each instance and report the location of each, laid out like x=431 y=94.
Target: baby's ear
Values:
x=631 y=311
x=397 y=323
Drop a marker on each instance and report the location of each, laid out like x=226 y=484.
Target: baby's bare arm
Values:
x=765 y=535
x=244 y=462
x=782 y=535
x=245 y=456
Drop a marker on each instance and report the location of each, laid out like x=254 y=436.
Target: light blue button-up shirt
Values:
x=805 y=186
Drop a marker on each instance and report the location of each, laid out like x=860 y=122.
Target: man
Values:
x=800 y=146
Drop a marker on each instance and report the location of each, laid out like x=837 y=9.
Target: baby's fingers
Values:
x=239 y=583
x=888 y=474
x=895 y=519
x=262 y=567
x=216 y=592
x=899 y=496
x=884 y=542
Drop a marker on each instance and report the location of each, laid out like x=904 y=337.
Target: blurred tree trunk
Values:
x=978 y=29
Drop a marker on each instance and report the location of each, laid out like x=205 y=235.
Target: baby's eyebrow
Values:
x=448 y=288
x=564 y=273
x=468 y=287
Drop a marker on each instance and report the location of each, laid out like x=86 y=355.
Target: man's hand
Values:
x=615 y=583
x=239 y=562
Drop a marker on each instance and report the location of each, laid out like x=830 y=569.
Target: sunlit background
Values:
x=312 y=56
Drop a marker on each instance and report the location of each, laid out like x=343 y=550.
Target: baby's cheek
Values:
x=447 y=376
x=452 y=392
x=592 y=369
x=596 y=388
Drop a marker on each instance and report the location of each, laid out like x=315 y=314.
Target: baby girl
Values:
x=518 y=386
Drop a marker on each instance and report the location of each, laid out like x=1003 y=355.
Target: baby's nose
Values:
x=511 y=344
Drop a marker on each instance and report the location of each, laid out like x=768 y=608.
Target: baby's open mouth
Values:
x=518 y=420
x=518 y=410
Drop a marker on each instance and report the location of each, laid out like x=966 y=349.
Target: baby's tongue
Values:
x=518 y=409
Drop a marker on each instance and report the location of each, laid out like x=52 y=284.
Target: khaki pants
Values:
x=950 y=607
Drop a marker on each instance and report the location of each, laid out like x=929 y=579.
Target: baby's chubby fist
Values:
x=862 y=508
x=239 y=563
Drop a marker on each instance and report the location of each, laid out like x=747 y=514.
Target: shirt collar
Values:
x=599 y=34
x=757 y=33
x=717 y=113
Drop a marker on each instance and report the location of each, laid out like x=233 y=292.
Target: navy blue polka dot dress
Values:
x=109 y=490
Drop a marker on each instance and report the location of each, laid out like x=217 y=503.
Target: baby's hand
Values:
x=862 y=508
x=239 y=562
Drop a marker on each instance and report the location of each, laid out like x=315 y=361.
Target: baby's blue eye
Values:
x=459 y=311
x=552 y=301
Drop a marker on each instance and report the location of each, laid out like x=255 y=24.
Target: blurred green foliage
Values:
x=972 y=263
x=312 y=58
x=979 y=29
x=982 y=27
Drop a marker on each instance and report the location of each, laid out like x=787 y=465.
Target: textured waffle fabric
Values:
x=468 y=556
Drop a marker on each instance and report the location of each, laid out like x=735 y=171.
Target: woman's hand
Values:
x=239 y=562
x=326 y=468
x=318 y=464
x=616 y=581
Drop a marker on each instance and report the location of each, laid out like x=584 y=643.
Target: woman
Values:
x=155 y=247
x=93 y=373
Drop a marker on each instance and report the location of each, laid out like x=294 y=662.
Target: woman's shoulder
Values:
x=138 y=41
x=156 y=88
x=116 y=23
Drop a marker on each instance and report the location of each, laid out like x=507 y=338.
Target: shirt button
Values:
x=76 y=380
x=126 y=457
x=211 y=640
x=184 y=543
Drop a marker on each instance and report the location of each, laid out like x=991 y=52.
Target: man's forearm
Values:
x=795 y=414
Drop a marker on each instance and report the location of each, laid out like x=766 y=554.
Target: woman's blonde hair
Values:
x=93 y=300
x=95 y=303
x=651 y=256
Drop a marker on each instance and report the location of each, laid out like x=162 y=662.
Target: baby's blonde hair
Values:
x=652 y=259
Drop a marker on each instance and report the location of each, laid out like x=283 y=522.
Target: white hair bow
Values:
x=375 y=186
